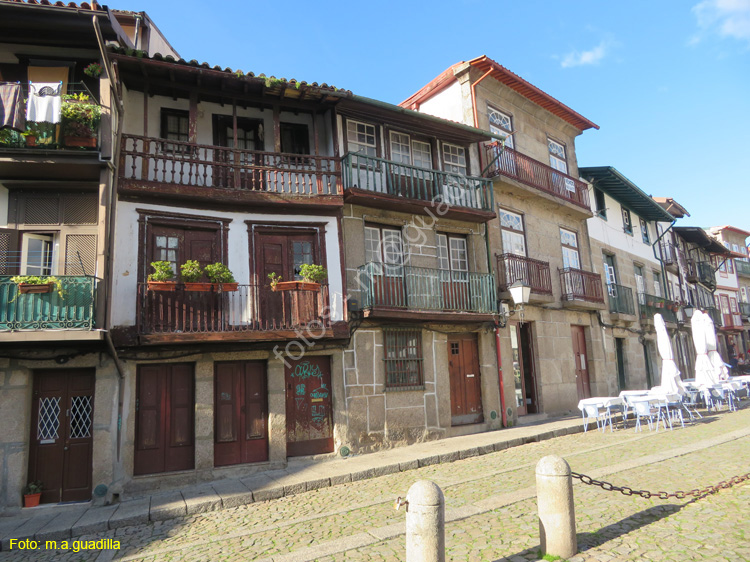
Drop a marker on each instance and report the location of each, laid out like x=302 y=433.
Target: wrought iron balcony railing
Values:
x=670 y=253
x=701 y=272
x=510 y=163
x=243 y=310
x=421 y=288
x=581 y=285
x=620 y=299
x=161 y=161
x=651 y=304
x=745 y=309
x=70 y=308
x=535 y=273
x=743 y=267
x=410 y=182
x=715 y=315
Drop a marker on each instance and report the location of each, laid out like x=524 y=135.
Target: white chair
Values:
x=691 y=401
x=599 y=413
x=650 y=410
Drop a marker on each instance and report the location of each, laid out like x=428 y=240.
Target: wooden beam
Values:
x=193 y=119
x=276 y=127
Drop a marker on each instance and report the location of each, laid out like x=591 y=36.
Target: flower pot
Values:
x=296 y=286
x=30 y=140
x=162 y=286
x=31 y=500
x=202 y=287
x=84 y=142
x=226 y=287
x=26 y=288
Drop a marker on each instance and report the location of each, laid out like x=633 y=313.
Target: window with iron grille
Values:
x=402 y=354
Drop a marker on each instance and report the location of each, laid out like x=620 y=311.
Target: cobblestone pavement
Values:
x=490 y=508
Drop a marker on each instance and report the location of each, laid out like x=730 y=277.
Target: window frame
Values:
x=387 y=268
x=601 y=206
x=447 y=164
x=554 y=160
x=570 y=249
x=645 y=235
x=349 y=141
x=396 y=342
x=627 y=220
x=499 y=129
x=512 y=231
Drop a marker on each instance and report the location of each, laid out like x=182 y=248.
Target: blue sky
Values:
x=667 y=81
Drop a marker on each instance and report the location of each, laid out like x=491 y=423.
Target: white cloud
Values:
x=581 y=58
x=728 y=18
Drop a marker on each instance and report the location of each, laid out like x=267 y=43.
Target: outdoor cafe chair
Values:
x=691 y=401
x=597 y=412
x=649 y=409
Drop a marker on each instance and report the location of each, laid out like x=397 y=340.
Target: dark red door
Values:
x=61 y=442
x=583 y=384
x=165 y=413
x=466 y=386
x=309 y=415
x=240 y=412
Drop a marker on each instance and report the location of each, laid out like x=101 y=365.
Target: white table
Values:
x=602 y=405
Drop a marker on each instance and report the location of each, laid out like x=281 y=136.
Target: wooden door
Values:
x=240 y=412
x=466 y=385
x=523 y=369
x=309 y=411
x=282 y=254
x=240 y=168
x=164 y=424
x=620 y=359
x=583 y=385
x=61 y=442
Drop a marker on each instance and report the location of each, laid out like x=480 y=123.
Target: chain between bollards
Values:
x=679 y=494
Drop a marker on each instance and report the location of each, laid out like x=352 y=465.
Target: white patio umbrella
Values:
x=704 y=371
x=720 y=369
x=671 y=382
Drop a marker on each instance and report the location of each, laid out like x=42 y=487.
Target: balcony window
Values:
x=644 y=232
x=569 y=243
x=295 y=138
x=601 y=205
x=511 y=227
x=453 y=256
x=402 y=350
x=361 y=138
x=657 y=284
x=384 y=246
x=501 y=124
x=627 y=222
x=175 y=124
x=404 y=150
x=36 y=254
x=454 y=158
x=640 y=283
x=557 y=157
x=610 y=274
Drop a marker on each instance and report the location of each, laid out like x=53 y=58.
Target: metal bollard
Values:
x=557 y=522
x=425 y=523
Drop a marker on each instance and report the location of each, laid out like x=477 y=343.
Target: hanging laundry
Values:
x=11 y=107
x=45 y=102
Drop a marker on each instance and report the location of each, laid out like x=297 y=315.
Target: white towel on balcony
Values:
x=45 y=102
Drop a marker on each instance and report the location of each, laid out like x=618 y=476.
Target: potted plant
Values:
x=312 y=276
x=32 y=493
x=94 y=70
x=161 y=278
x=221 y=277
x=190 y=272
x=80 y=119
x=38 y=284
x=37 y=134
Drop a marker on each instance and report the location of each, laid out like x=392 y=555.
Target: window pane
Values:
x=400 y=149
x=454 y=158
x=459 y=258
x=443 y=262
x=361 y=137
x=421 y=154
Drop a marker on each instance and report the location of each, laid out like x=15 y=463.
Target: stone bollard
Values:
x=425 y=523
x=557 y=522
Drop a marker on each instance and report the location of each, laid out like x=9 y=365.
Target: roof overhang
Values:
x=486 y=65
x=730 y=228
x=672 y=207
x=696 y=235
x=625 y=192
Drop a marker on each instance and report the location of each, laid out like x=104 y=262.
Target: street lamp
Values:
x=520 y=293
x=688 y=310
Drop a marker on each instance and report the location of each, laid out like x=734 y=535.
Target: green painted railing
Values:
x=745 y=309
x=650 y=305
x=71 y=310
x=715 y=315
x=422 y=288
x=410 y=182
x=620 y=299
x=743 y=267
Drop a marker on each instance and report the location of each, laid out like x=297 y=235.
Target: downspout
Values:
x=110 y=226
x=136 y=35
x=474 y=96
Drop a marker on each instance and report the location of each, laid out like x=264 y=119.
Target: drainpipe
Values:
x=474 y=96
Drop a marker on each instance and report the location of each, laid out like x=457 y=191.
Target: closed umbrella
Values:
x=704 y=371
x=717 y=363
x=671 y=383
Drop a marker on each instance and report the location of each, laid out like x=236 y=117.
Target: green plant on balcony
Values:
x=94 y=70
x=161 y=278
x=37 y=284
x=313 y=273
x=191 y=272
x=80 y=118
x=312 y=276
x=220 y=275
x=39 y=134
x=275 y=278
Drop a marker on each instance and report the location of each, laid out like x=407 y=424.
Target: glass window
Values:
x=601 y=206
x=400 y=148
x=569 y=242
x=421 y=154
x=402 y=350
x=627 y=224
x=501 y=124
x=361 y=138
x=657 y=284
x=384 y=245
x=644 y=232
x=36 y=258
x=166 y=250
x=454 y=158
x=557 y=157
x=302 y=252
x=640 y=284
x=511 y=227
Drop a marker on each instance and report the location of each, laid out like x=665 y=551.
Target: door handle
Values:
x=65 y=448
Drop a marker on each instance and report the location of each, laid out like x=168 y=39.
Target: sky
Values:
x=668 y=81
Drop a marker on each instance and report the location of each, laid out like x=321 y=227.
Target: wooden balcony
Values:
x=620 y=300
x=72 y=308
x=651 y=304
x=243 y=315
x=384 y=184
x=406 y=292
x=524 y=169
x=151 y=166
x=731 y=321
x=671 y=255
x=701 y=272
x=535 y=273
x=743 y=267
x=581 y=289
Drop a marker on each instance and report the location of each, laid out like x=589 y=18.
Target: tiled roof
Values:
x=270 y=81
x=82 y=6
